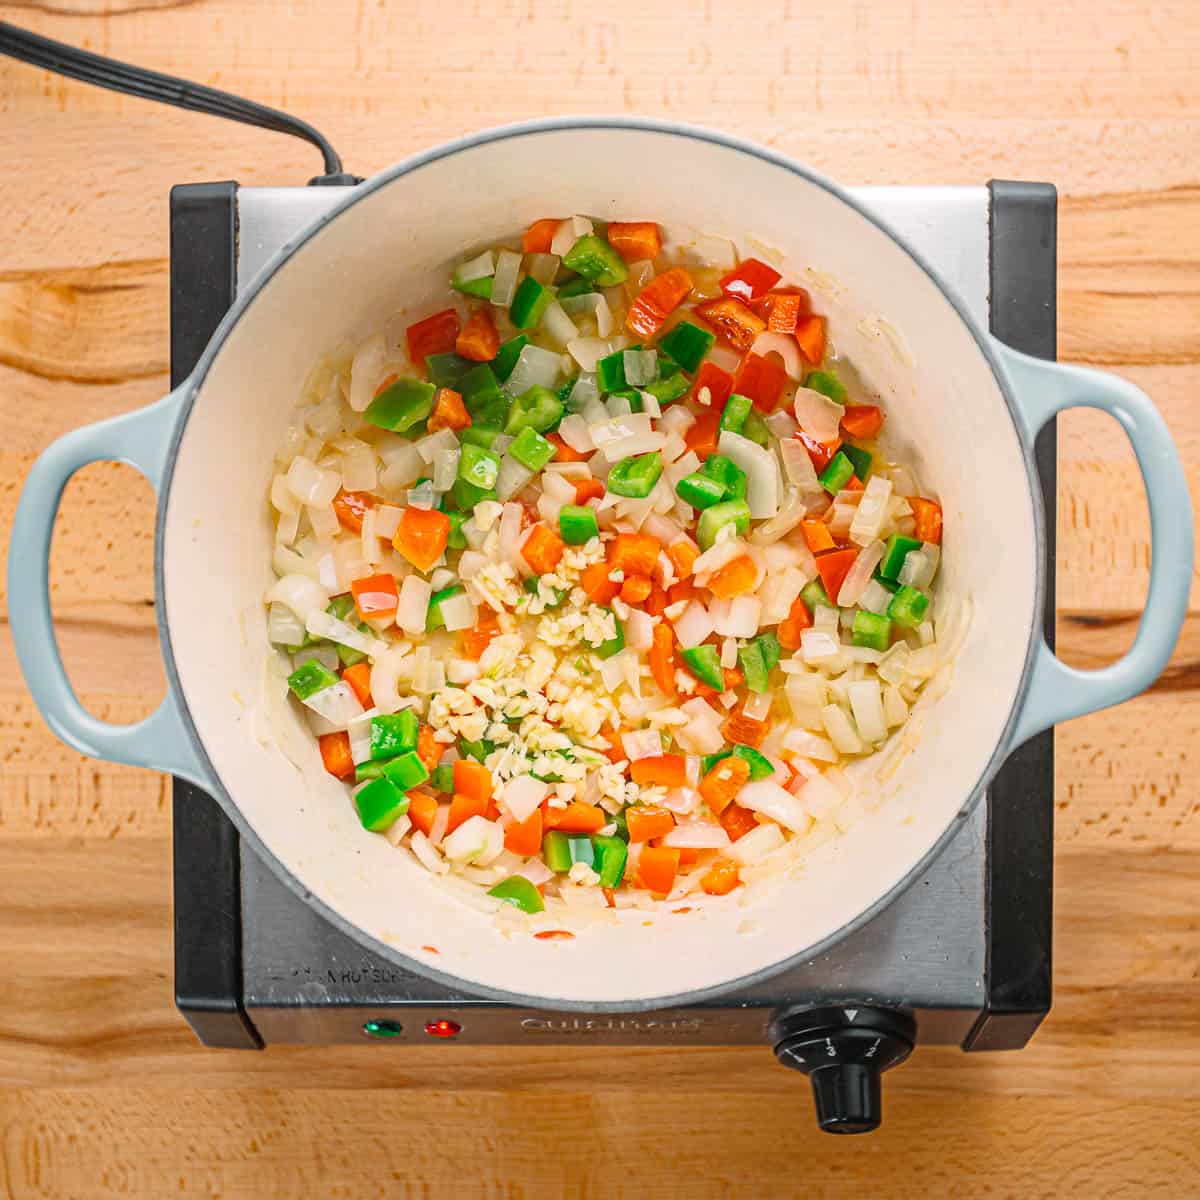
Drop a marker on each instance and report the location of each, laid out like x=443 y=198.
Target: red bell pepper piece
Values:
x=719 y=383
x=733 y=321
x=810 y=337
x=762 y=379
x=434 y=335
x=657 y=300
x=750 y=280
x=819 y=452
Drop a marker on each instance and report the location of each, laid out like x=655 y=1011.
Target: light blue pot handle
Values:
x=143 y=439
x=1057 y=692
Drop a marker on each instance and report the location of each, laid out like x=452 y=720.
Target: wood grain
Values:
x=103 y=1091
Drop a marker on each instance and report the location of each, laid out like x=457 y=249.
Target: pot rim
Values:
x=384 y=179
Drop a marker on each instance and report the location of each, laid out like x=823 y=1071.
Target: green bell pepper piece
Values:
x=393 y=733
x=445 y=370
x=579 y=847
x=406 y=771
x=507 y=355
x=556 y=851
x=538 y=409
x=837 y=474
x=908 y=607
x=481 y=287
x=727 y=473
x=828 y=384
x=342 y=607
x=380 y=802
x=754 y=427
x=368 y=770
x=577 y=524
x=699 y=490
x=860 y=459
x=669 y=388
x=519 y=892
x=771 y=650
x=594 y=259
x=478 y=467
x=442 y=779
x=479 y=435
x=871 y=630
x=529 y=303
x=531 y=450
x=466 y=495
x=483 y=396
x=610 y=372
x=813 y=593
x=576 y=287
x=713 y=520
x=310 y=679
x=760 y=766
x=401 y=405
x=456 y=539
x=433 y=615
x=705 y=663
x=611 y=856
x=687 y=344
x=737 y=409
x=565 y=389
x=635 y=477
x=893 y=555
x=754 y=669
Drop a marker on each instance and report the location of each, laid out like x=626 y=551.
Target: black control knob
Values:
x=844 y=1049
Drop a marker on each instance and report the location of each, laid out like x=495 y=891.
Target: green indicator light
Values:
x=379 y=1028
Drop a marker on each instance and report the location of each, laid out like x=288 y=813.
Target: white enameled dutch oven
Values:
x=966 y=408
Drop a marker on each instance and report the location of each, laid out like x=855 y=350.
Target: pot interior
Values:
x=384 y=255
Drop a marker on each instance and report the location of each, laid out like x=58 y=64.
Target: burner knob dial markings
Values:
x=844 y=1049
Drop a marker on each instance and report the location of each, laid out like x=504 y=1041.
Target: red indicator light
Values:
x=443 y=1028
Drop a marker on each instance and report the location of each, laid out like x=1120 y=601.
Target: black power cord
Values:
x=166 y=89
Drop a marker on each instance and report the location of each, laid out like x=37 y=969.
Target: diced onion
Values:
x=301 y=594
x=758 y=706
x=782 y=424
x=618 y=406
x=445 y=469
x=693 y=625
x=574 y=431
x=763 y=484
x=702 y=734
x=639 y=630
x=557 y=325
x=788 y=517
x=584 y=392
x=810 y=745
x=817 y=646
x=919 y=567
x=323 y=653
x=767 y=797
x=413 y=607
x=366 y=370
x=513 y=477
x=359 y=730
x=477 y=840
x=798 y=467
x=284 y=627
x=866 y=702
x=568 y=233
x=404 y=464
x=619 y=429
x=872 y=510
x=860 y=574
x=421 y=496
x=697 y=835
x=786 y=347
x=542 y=267
x=597 y=305
x=819 y=417
x=522 y=796
x=756 y=844
x=458 y=612
x=504 y=282
x=875 y=597
x=281 y=496
x=841 y=731
x=510 y=536
x=336 y=704
x=476 y=268
x=588 y=351
x=641 y=366
x=535 y=366
x=325 y=625
x=310 y=484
